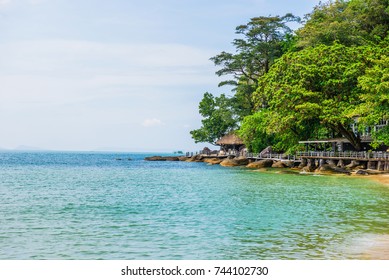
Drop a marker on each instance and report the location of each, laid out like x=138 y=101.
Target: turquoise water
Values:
x=93 y=206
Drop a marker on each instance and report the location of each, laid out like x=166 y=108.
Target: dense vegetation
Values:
x=309 y=84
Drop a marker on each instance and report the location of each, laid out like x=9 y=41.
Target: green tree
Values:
x=218 y=118
x=375 y=96
x=262 y=42
x=316 y=87
x=355 y=22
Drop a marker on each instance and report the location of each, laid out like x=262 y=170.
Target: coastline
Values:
x=380 y=178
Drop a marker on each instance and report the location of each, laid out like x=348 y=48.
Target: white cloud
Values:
x=152 y=122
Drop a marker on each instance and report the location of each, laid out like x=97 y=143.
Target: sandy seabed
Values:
x=376 y=247
x=383 y=179
x=371 y=247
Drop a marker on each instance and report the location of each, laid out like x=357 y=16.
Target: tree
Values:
x=218 y=118
x=375 y=96
x=355 y=22
x=316 y=87
x=261 y=44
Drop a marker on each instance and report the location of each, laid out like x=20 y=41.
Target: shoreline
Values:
x=380 y=178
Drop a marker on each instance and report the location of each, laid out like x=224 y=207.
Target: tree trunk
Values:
x=355 y=141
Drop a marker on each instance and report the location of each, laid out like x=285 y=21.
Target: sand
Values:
x=383 y=179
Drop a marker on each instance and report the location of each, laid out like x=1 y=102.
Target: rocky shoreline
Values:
x=233 y=161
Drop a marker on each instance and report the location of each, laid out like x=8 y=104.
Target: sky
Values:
x=120 y=75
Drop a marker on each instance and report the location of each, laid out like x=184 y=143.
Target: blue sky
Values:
x=118 y=75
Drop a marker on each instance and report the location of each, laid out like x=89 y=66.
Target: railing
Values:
x=347 y=154
x=299 y=155
x=271 y=156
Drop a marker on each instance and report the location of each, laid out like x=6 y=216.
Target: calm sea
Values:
x=95 y=206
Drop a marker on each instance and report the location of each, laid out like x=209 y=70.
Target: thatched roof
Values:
x=229 y=139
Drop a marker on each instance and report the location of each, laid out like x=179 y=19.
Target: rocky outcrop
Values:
x=213 y=161
x=362 y=172
x=331 y=169
x=182 y=158
x=241 y=161
x=352 y=165
x=229 y=162
x=159 y=158
x=278 y=164
x=155 y=158
x=261 y=164
x=196 y=158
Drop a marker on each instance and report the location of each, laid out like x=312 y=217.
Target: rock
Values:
x=183 y=158
x=278 y=164
x=229 y=162
x=308 y=168
x=303 y=163
x=362 y=172
x=261 y=164
x=172 y=158
x=329 y=169
x=325 y=168
x=213 y=160
x=196 y=158
x=352 y=165
x=155 y=158
x=288 y=163
x=241 y=160
x=159 y=158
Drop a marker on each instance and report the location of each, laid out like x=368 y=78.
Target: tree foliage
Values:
x=318 y=86
x=218 y=118
x=356 y=22
x=309 y=86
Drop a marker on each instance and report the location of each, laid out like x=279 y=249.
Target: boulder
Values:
x=213 y=160
x=229 y=162
x=196 y=158
x=155 y=158
x=308 y=168
x=172 y=159
x=330 y=169
x=352 y=165
x=278 y=164
x=261 y=164
x=182 y=158
x=362 y=172
x=242 y=160
x=159 y=158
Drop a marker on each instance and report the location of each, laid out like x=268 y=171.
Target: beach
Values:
x=382 y=178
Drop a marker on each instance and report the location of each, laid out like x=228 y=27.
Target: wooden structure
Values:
x=230 y=142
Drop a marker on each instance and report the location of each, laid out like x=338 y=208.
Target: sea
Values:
x=89 y=205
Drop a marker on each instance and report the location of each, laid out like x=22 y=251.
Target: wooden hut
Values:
x=230 y=142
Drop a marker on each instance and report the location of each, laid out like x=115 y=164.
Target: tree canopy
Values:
x=311 y=85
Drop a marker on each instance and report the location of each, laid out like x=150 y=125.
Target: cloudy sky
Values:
x=117 y=75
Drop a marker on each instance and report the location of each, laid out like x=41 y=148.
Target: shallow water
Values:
x=93 y=206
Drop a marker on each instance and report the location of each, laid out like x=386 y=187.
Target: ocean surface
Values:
x=60 y=205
